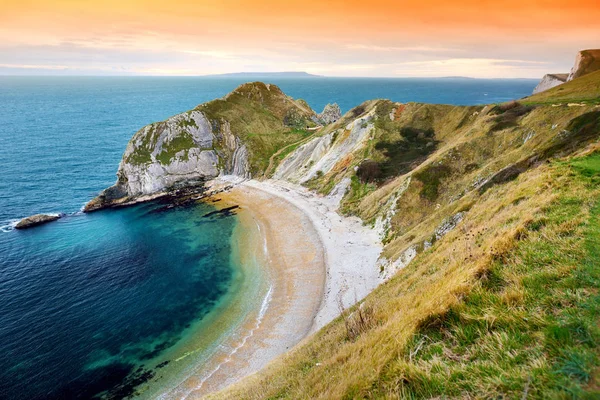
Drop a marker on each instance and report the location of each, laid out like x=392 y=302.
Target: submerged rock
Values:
x=35 y=220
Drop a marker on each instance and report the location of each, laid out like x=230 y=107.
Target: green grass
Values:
x=532 y=324
x=585 y=89
x=431 y=177
x=356 y=192
x=184 y=141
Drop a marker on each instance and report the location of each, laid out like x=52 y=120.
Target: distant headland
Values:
x=283 y=74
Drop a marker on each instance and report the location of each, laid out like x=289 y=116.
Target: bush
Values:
x=368 y=171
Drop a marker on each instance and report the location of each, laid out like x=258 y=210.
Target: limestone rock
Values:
x=215 y=138
x=549 y=81
x=587 y=61
x=35 y=220
x=330 y=114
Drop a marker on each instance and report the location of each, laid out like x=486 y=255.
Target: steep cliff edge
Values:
x=549 y=81
x=234 y=135
x=586 y=62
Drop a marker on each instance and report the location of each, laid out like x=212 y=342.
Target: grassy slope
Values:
x=506 y=304
x=263 y=117
x=585 y=90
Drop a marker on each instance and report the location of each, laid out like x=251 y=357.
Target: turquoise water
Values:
x=91 y=303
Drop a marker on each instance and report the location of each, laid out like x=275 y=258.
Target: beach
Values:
x=312 y=258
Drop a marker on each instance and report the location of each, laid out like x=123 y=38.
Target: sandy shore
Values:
x=313 y=257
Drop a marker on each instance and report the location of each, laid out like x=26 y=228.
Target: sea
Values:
x=98 y=305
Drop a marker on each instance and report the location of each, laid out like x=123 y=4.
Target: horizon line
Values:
x=232 y=75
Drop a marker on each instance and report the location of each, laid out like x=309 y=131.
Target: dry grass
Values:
x=330 y=365
x=463 y=319
x=585 y=89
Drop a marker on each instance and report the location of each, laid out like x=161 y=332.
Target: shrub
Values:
x=368 y=171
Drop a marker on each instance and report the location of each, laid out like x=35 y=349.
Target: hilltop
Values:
x=586 y=62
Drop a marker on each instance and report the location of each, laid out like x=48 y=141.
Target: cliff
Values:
x=234 y=135
x=586 y=62
x=549 y=81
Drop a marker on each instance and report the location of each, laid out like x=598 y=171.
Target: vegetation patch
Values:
x=406 y=154
x=530 y=328
x=183 y=141
x=508 y=115
x=431 y=177
x=187 y=122
x=357 y=191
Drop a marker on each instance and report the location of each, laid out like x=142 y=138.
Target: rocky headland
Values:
x=586 y=62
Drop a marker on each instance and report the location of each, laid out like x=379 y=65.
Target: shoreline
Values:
x=315 y=261
x=294 y=271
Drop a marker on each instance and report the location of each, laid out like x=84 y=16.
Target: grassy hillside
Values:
x=259 y=114
x=581 y=90
x=500 y=206
x=263 y=117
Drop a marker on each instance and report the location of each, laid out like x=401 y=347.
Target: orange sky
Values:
x=345 y=38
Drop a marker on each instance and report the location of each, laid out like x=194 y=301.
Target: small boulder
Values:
x=35 y=220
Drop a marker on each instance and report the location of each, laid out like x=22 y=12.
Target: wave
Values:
x=9 y=225
x=261 y=314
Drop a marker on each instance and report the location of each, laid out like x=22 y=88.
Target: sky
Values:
x=371 y=38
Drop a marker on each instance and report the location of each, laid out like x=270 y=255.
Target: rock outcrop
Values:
x=321 y=154
x=222 y=137
x=36 y=220
x=586 y=62
x=549 y=81
x=330 y=114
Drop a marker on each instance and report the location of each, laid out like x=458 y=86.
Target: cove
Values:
x=98 y=304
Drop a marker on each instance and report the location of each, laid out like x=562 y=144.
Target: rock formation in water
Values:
x=36 y=220
x=234 y=135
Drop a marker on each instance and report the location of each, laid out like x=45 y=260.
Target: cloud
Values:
x=472 y=67
x=419 y=49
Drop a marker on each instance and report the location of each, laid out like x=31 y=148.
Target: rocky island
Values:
x=35 y=220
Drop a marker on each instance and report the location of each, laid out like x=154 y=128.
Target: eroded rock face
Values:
x=549 y=81
x=181 y=150
x=162 y=154
x=330 y=114
x=321 y=154
x=586 y=62
x=36 y=220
